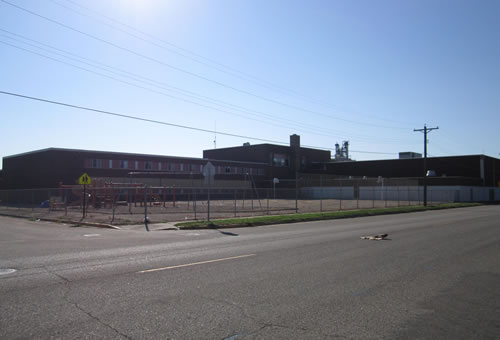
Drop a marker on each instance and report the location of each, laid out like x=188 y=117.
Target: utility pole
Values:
x=425 y=130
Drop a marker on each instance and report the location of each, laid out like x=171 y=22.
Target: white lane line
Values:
x=196 y=263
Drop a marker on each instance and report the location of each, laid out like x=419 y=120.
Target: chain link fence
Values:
x=129 y=204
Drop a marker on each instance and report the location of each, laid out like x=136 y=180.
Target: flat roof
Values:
x=129 y=154
x=266 y=145
x=409 y=159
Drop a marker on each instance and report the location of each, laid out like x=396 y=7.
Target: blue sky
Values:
x=365 y=71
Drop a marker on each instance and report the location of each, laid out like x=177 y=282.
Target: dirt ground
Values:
x=198 y=210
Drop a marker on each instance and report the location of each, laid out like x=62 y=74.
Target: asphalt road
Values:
x=438 y=276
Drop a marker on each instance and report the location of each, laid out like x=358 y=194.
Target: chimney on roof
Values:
x=295 y=154
x=294 y=141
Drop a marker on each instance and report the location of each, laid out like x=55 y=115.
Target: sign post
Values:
x=84 y=180
x=209 y=174
x=275 y=181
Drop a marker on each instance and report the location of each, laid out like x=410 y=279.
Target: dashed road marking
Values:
x=196 y=263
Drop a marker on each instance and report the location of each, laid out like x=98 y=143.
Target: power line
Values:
x=141 y=87
x=193 y=74
x=110 y=113
x=151 y=90
x=134 y=117
x=204 y=60
x=282 y=123
x=210 y=62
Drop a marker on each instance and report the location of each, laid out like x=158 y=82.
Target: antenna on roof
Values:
x=215 y=136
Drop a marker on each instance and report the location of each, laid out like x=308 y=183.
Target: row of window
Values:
x=174 y=167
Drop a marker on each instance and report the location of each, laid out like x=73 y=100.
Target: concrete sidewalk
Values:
x=152 y=226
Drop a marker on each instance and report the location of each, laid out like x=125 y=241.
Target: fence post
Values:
x=208 y=202
x=66 y=202
x=129 y=201
x=373 y=197
x=268 y=200
x=385 y=197
x=296 y=192
x=244 y=196
x=146 y=219
x=235 y=191
x=341 y=191
x=113 y=204
x=194 y=205
x=358 y=194
x=321 y=193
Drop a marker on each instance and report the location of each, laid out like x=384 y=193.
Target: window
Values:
x=110 y=164
x=182 y=167
x=228 y=169
x=123 y=164
x=148 y=165
x=136 y=165
x=169 y=166
x=280 y=159
x=159 y=166
x=97 y=163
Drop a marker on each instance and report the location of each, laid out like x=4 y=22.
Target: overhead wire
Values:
x=193 y=74
x=204 y=60
x=155 y=91
x=297 y=125
x=127 y=82
x=120 y=115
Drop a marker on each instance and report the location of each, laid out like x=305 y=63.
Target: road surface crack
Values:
x=89 y=314
x=66 y=283
x=232 y=304
x=304 y=329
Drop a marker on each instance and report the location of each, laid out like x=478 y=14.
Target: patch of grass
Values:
x=306 y=217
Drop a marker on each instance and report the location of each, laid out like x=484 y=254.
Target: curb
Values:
x=368 y=214
x=75 y=223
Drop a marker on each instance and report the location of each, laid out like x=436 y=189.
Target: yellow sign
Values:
x=84 y=179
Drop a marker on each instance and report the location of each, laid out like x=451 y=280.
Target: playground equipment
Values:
x=102 y=194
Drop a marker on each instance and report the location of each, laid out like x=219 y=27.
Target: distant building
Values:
x=409 y=154
x=342 y=153
x=48 y=168
x=452 y=170
x=240 y=166
x=283 y=161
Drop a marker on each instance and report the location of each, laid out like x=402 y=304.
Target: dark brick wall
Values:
x=264 y=153
x=456 y=166
x=47 y=168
